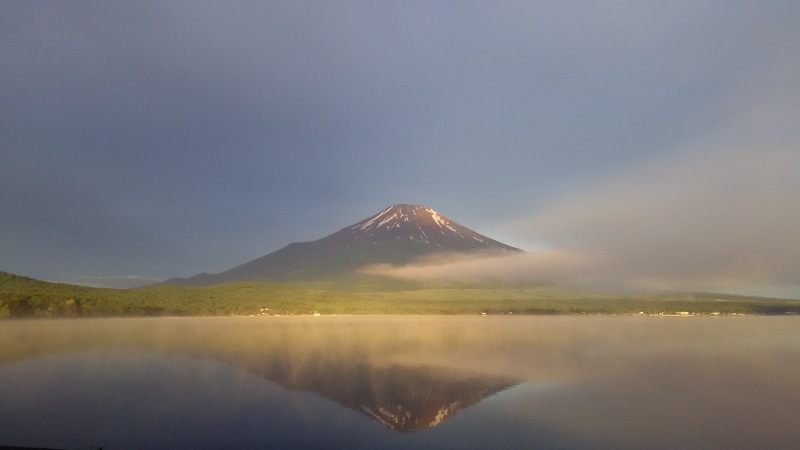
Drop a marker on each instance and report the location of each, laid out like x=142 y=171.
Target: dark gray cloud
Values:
x=208 y=133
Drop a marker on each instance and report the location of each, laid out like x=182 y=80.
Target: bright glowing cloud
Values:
x=724 y=220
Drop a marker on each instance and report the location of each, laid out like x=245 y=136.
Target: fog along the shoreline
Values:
x=614 y=382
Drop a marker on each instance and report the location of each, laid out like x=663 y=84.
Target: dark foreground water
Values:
x=401 y=382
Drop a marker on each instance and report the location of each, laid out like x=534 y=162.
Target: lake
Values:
x=401 y=382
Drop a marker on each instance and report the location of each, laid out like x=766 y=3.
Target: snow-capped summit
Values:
x=397 y=235
x=421 y=224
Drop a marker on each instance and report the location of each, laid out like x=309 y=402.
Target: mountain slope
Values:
x=396 y=235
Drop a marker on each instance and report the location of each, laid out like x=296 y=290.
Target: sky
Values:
x=623 y=144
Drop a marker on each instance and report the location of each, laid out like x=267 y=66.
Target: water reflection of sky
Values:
x=146 y=400
x=137 y=399
x=513 y=383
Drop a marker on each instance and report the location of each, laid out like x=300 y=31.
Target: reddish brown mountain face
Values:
x=420 y=224
x=397 y=235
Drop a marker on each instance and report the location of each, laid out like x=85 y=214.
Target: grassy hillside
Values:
x=26 y=297
x=21 y=296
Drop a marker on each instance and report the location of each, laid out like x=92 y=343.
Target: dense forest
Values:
x=26 y=297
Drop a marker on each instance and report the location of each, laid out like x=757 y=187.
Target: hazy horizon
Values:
x=623 y=145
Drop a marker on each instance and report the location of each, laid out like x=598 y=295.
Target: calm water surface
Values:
x=401 y=382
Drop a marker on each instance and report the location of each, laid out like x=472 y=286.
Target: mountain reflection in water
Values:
x=349 y=365
x=354 y=382
x=402 y=398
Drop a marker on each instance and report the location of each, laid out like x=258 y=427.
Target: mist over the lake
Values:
x=402 y=382
x=207 y=168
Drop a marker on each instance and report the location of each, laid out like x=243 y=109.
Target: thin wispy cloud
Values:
x=112 y=281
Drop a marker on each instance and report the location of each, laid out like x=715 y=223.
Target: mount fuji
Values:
x=397 y=235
